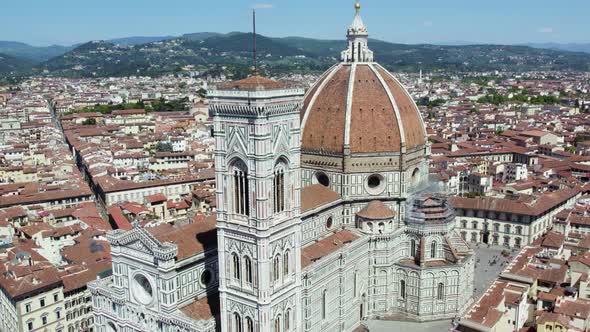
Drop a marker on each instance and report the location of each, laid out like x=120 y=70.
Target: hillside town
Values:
x=80 y=158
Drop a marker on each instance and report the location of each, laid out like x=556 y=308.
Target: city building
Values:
x=543 y=288
x=514 y=172
x=510 y=222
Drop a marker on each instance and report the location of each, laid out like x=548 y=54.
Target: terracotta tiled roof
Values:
x=40 y=276
x=109 y=184
x=579 y=308
x=553 y=240
x=583 y=259
x=543 y=203
x=156 y=198
x=376 y=210
x=35 y=228
x=553 y=317
x=73 y=280
x=119 y=218
x=316 y=195
x=203 y=309
x=547 y=297
x=485 y=310
x=372 y=124
x=525 y=264
x=326 y=246
x=47 y=196
x=191 y=239
x=87 y=251
x=254 y=83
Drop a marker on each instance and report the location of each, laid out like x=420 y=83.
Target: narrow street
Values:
x=77 y=160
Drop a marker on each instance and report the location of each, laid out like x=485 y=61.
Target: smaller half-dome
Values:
x=376 y=210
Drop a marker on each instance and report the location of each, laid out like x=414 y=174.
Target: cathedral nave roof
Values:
x=326 y=246
x=317 y=195
x=191 y=239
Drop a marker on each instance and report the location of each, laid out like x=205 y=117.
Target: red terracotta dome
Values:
x=376 y=210
x=358 y=107
x=362 y=106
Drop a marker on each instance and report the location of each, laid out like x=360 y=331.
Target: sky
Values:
x=45 y=22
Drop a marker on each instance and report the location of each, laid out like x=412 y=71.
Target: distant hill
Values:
x=231 y=53
x=201 y=35
x=32 y=53
x=571 y=47
x=138 y=40
x=108 y=59
x=296 y=54
x=10 y=65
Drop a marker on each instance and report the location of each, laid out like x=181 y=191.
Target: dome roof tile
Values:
x=363 y=107
x=376 y=210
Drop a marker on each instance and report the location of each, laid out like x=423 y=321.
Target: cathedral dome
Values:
x=358 y=107
x=362 y=108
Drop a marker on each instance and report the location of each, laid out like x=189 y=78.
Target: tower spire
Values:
x=358 y=37
x=255 y=69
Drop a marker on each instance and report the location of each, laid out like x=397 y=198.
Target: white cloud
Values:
x=427 y=24
x=546 y=30
x=263 y=6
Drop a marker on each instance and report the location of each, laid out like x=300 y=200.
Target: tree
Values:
x=570 y=149
x=202 y=93
x=89 y=122
x=423 y=101
x=161 y=105
x=579 y=139
x=435 y=103
x=495 y=99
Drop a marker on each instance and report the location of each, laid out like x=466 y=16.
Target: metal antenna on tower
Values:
x=255 y=72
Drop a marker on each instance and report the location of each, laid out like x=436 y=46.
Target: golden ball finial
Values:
x=357 y=6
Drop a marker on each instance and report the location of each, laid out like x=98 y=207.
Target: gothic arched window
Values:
x=287 y=320
x=402 y=289
x=277 y=324
x=248 y=269
x=241 y=189
x=236 y=266
x=286 y=263
x=433 y=249
x=237 y=322
x=249 y=325
x=413 y=248
x=324 y=303
x=279 y=188
x=276 y=268
x=440 y=291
